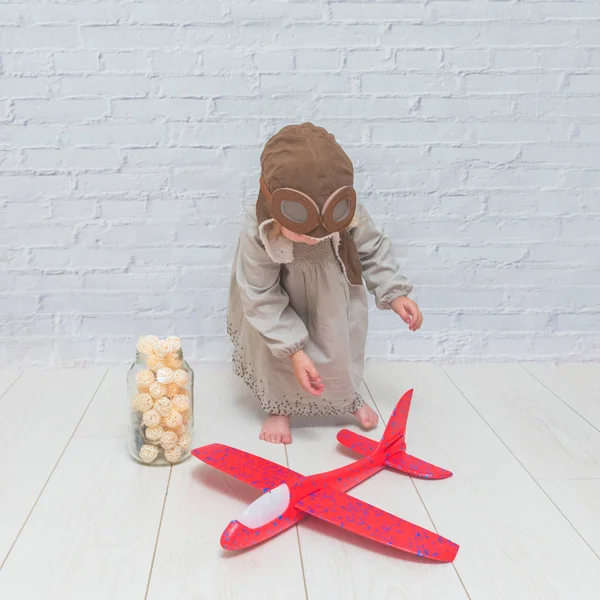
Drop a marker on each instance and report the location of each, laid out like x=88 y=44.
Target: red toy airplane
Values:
x=289 y=496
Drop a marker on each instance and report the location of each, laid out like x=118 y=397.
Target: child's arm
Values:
x=265 y=303
x=381 y=271
x=267 y=309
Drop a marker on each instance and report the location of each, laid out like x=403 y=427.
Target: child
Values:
x=297 y=305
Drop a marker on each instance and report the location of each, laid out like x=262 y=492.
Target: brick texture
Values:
x=130 y=134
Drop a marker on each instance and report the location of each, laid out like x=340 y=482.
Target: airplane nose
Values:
x=231 y=537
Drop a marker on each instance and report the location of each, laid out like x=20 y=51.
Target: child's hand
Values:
x=409 y=311
x=306 y=373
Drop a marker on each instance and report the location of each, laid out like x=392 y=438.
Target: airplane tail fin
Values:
x=393 y=445
x=393 y=436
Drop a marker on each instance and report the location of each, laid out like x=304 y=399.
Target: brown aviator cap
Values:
x=305 y=158
x=308 y=159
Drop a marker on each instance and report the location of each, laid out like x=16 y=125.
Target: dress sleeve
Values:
x=265 y=304
x=379 y=267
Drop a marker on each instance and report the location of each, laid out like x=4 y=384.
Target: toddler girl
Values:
x=297 y=305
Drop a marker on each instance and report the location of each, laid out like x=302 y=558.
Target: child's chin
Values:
x=299 y=238
x=311 y=241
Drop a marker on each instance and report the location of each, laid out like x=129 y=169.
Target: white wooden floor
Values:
x=80 y=520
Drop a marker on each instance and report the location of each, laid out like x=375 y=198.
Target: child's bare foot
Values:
x=276 y=429
x=366 y=416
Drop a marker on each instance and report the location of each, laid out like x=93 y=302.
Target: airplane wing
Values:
x=366 y=520
x=399 y=461
x=253 y=470
x=415 y=466
x=354 y=441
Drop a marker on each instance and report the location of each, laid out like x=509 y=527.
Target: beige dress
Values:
x=285 y=297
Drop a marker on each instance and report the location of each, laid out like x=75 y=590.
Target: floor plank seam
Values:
x=287 y=461
x=52 y=471
x=384 y=421
x=11 y=385
x=438 y=532
x=568 y=479
x=162 y=514
x=521 y=464
x=374 y=403
x=557 y=396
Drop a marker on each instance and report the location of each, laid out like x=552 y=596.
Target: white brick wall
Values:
x=129 y=141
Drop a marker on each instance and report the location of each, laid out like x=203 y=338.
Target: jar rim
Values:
x=177 y=354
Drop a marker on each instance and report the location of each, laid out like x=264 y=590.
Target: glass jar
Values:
x=160 y=387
